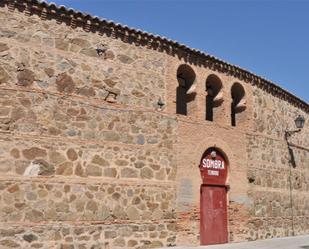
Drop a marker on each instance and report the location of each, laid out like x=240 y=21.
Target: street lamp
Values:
x=299 y=123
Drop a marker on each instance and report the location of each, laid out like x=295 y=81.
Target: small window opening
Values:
x=185 y=92
x=238 y=102
x=213 y=98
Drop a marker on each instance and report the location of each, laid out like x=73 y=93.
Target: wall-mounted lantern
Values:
x=299 y=123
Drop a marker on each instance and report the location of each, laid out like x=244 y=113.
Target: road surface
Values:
x=298 y=242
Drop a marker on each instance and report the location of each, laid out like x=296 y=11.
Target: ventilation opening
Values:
x=185 y=90
x=213 y=97
x=238 y=102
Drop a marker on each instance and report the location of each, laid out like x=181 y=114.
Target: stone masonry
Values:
x=93 y=154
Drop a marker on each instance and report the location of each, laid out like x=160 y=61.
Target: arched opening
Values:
x=213 y=159
x=214 y=98
x=238 y=104
x=213 y=198
x=185 y=91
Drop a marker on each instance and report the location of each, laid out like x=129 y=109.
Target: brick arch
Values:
x=219 y=144
x=214 y=95
x=185 y=91
x=238 y=101
x=187 y=72
x=237 y=85
x=215 y=75
x=218 y=149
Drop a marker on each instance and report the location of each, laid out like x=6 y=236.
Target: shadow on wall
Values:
x=185 y=92
x=238 y=102
x=214 y=96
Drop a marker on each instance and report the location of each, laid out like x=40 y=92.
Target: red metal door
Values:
x=213 y=215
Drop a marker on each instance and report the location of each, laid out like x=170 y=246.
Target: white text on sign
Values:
x=212 y=164
x=213 y=173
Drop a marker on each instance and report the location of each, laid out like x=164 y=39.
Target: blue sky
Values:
x=267 y=37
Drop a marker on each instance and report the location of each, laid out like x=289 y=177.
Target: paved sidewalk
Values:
x=299 y=242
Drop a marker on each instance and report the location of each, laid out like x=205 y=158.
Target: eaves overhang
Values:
x=92 y=23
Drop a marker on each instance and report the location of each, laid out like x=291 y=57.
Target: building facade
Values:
x=116 y=138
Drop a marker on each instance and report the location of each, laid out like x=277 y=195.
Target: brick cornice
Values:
x=95 y=24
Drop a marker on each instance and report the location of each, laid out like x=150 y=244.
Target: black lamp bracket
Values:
x=290 y=133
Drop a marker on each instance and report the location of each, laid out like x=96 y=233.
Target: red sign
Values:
x=213 y=167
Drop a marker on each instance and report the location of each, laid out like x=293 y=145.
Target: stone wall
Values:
x=101 y=213
x=279 y=191
x=48 y=56
x=89 y=160
x=88 y=236
x=86 y=161
x=151 y=136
